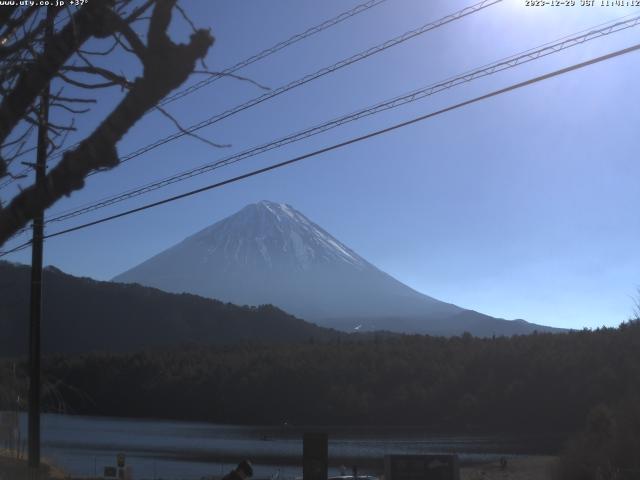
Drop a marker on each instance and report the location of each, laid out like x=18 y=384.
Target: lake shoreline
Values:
x=84 y=446
x=526 y=467
x=344 y=429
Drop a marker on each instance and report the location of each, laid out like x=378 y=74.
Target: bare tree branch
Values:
x=88 y=86
x=69 y=109
x=12 y=25
x=88 y=21
x=73 y=100
x=186 y=18
x=139 y=11
x=166 y=66
x=5 y=15
x=136 y=45
x=27 y=38
x=232 y=75
x=187 y=132
x=114 y=79
x=104 y=53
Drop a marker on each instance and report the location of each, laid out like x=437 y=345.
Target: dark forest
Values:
x=540 y=382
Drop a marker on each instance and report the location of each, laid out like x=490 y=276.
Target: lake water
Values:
x=186 y=450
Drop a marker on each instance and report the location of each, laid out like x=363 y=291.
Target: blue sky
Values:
x=522 y=206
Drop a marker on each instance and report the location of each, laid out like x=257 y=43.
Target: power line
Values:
x=276 y=48
x=301 y=81
x=306 y=79
x=312 y=76
x=507 y=62
x=22 y=246
x=351 y=141
x=363 y=7
x=489 y=69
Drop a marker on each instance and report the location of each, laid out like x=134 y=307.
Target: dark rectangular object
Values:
x=110 y=472
x=421 y=467
x=315 y=452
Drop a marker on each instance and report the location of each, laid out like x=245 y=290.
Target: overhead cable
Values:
x=351 y=141
x=486 y=70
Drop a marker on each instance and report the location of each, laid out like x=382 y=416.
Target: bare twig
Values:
x=232 y=75
x=103 y=53
x=91 y=20
x=187 y=132
x=89 y=86
x=69 y=109
x=166 y=65
x=186 y=18
x=73 y=99
x=135 y=44
x=139 y=11
x=113 y=78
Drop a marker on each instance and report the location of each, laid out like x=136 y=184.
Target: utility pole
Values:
x=36 y=275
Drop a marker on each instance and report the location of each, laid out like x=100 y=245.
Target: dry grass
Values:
x=14 y=469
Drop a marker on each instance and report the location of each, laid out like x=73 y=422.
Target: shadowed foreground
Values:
x=14 y=469
x=523 y=468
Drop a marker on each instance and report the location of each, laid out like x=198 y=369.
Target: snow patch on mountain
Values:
x=297 y=234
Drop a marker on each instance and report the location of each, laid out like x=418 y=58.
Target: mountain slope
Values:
x=82 y=315
x=271 y=253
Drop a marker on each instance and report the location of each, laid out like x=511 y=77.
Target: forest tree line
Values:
x=539 y=382
x=116 y=317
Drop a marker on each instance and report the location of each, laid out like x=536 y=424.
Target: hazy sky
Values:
x=522 y=206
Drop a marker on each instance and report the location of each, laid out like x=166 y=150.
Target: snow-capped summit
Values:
x=272 y=235
x=271 y=253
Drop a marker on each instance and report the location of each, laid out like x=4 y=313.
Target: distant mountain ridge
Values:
x=270 y=253
x=83 y=315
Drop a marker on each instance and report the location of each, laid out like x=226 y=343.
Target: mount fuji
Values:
x=270 y=253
